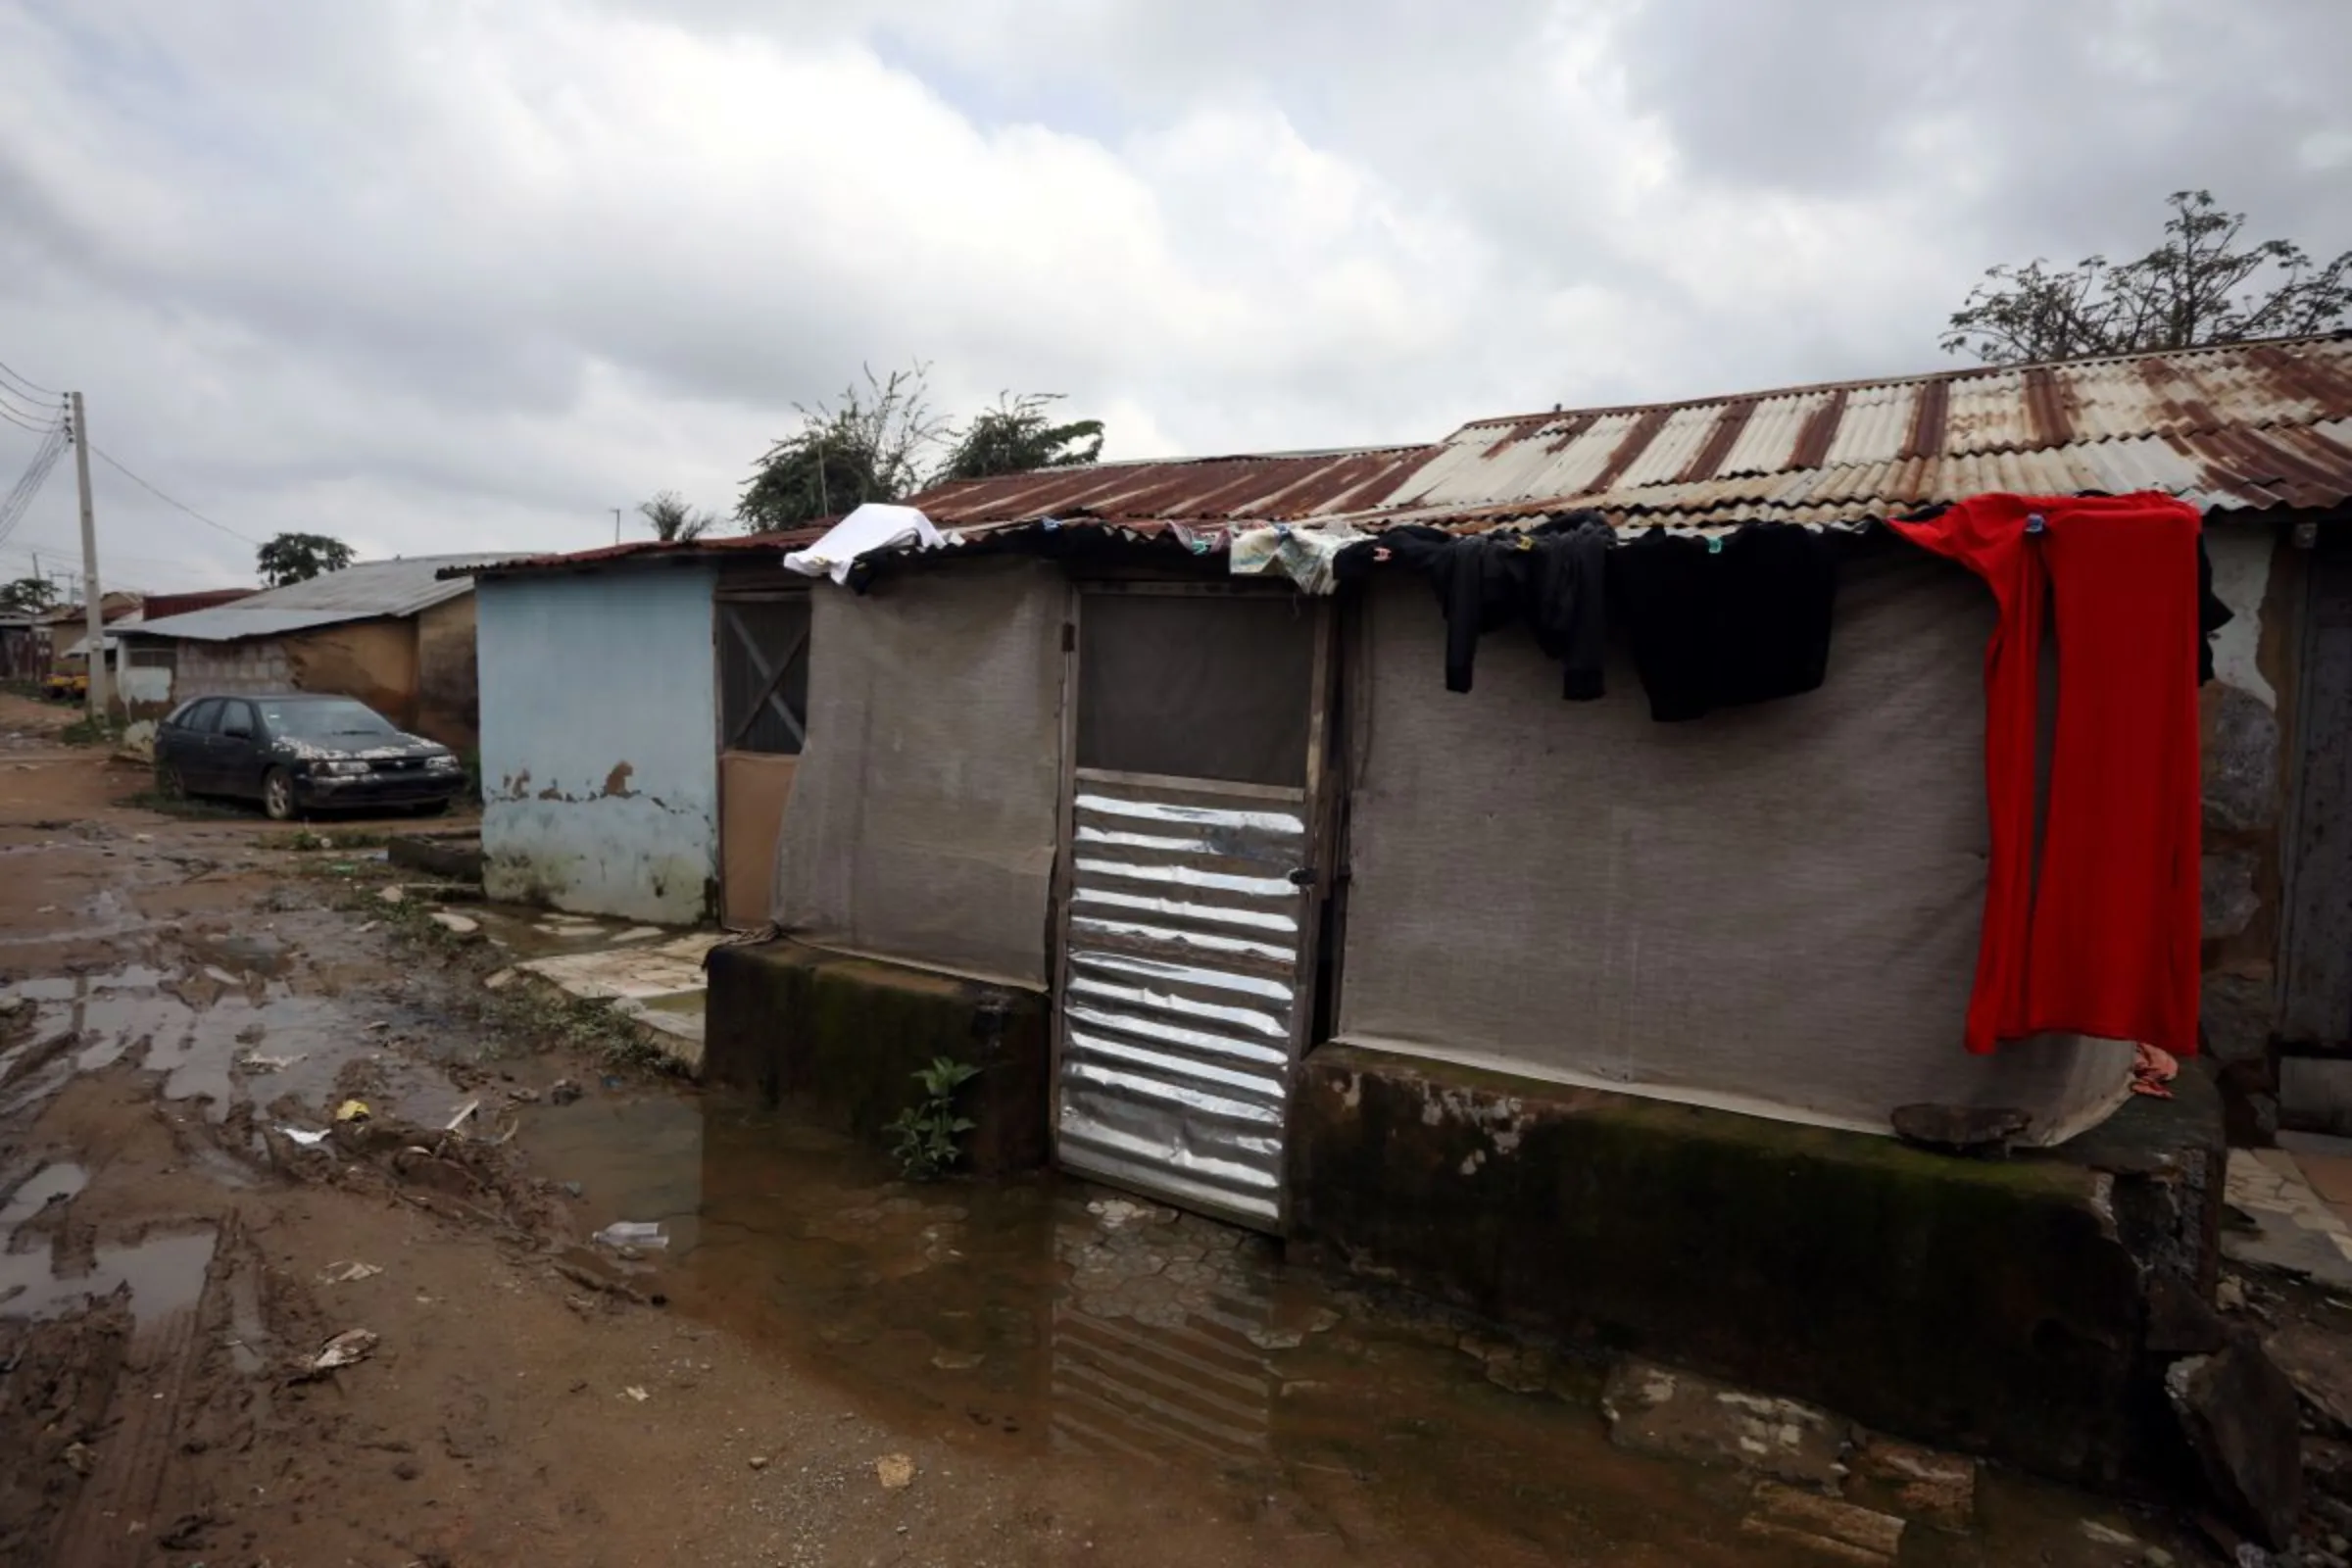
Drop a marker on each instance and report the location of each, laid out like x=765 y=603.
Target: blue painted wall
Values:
x=600 y=769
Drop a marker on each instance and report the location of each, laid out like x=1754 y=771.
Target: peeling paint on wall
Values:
x=600 y=734
x=2242 y=579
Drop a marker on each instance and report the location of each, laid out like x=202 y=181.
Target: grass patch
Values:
x=308 y=840
x=550 y=1019
x=101 y=730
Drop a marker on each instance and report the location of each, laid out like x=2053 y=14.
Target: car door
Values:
x=238 y=750
x=182 y=745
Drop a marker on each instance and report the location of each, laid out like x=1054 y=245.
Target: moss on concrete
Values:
x=842 y=1039
x=1990 y=1306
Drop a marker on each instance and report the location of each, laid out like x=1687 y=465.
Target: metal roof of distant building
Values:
x=368 y=590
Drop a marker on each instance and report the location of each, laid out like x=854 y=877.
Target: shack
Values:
x=1586 y=1019
x=643 y=710
x=395 y=635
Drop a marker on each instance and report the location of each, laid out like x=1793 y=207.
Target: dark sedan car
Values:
x=298 y=753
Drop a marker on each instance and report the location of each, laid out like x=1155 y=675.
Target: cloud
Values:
x=442 y=276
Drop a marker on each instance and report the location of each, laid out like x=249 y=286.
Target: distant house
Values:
x=391 y=633
x=18 y=660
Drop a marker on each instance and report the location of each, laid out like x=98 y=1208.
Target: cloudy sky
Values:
x=437 y=275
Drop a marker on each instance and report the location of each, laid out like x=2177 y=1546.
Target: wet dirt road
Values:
x=818 y=1364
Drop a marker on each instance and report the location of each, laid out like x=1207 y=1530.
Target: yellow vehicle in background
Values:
x=70 y=682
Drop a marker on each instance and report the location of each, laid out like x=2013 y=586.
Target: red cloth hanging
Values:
x=2104 y=941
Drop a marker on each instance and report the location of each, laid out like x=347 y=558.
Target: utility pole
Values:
x=93 y=603
x=617 y=526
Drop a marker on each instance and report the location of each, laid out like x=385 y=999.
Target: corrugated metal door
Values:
x=1191 y=893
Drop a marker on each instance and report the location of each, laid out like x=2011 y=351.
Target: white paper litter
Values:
x=645 y=1233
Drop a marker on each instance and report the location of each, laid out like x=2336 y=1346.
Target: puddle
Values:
x=217 y=1035
x=46 y=1185
x=164 y=1272
x=1055 y=1320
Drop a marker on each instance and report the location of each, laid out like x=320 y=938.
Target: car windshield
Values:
x=320 y=722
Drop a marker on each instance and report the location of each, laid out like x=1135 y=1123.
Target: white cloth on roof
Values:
x=1302 y=554
x=872 y=526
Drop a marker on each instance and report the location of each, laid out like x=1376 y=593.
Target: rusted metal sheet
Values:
x=2246 y=425
x=1182 y=975
x=1193 y=489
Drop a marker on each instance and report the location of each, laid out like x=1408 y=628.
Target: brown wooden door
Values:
x=764 y=715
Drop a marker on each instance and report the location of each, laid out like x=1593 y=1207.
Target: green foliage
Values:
x=878 y=443
x=928 y=1133
x=674 y=521
x=2185 y=292
x=26 y=595
x=88 y=731
x=1015 y=437
x=869 y=446
x=299 y=557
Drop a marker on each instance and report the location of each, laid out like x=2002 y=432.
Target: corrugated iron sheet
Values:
x=1189 y=489
x=633 y=550
x=2250 y=426
x=1182 y=971
x=363 y=592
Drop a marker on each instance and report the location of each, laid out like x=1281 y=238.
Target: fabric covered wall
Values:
x=924 y=811
x=1773 y=909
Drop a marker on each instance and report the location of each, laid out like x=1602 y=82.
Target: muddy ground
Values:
x=818 y=1364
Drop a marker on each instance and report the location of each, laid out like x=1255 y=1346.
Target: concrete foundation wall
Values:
x=843 y=1038
x=2023 y=1308
x=599 y=743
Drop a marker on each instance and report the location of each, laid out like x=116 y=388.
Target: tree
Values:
x=870 y=446
x=1015 y=437
x=299 y=557
x=674 y=521
x=2185 y=292
x=26 y=595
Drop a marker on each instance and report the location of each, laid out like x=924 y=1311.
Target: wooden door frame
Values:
x=722 y=596
x=1312 y=799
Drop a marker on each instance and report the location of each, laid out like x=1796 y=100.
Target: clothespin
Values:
x=2035 y=523
x=1715 y=544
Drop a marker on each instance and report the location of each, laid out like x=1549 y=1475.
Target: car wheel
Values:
x=277 y=795
x=167 y=782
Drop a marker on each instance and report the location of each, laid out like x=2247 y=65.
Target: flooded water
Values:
x=1053 y=1319
x=226 y=1025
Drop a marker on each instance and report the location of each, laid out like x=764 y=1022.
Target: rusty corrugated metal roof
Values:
x=1281 y=486
x=2245 y=425
x=2236 y=426
x=720 y=545
x=2239 y=427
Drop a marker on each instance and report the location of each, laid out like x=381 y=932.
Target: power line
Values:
x=99 y=452
x=32 y=388
x=18 y=500
x=27 y=408
x=21 y=423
